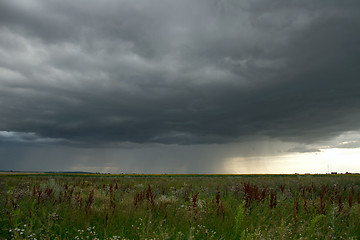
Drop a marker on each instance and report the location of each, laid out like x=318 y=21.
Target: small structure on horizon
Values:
x=333 y=172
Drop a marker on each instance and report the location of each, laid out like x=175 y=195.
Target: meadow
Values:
x=80 y=206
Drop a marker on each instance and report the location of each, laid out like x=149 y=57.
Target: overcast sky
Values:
x=200 y=86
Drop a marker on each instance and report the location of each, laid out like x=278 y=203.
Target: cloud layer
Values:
x=179 y=72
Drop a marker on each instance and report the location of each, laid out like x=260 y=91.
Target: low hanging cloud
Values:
x=302 y=149
x=19 y=137
x=178 y=72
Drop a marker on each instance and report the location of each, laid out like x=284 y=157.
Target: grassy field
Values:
x=80 y=206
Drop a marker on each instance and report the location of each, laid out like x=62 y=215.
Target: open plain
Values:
x=97 y=206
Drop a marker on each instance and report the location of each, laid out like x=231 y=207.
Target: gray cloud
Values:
x=179 y=72
x=19 y=137
x=345 y=140
x=302 y=149
x=353 y=144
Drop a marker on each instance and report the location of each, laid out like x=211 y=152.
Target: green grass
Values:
x=89 y=206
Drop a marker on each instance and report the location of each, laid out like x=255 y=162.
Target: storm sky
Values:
x=180 y=86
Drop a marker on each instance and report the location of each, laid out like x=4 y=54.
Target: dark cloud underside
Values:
x=183 y=72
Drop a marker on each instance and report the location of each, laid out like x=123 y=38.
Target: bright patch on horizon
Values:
x=339 y=160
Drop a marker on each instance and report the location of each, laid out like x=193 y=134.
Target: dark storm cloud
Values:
x=179 y=72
